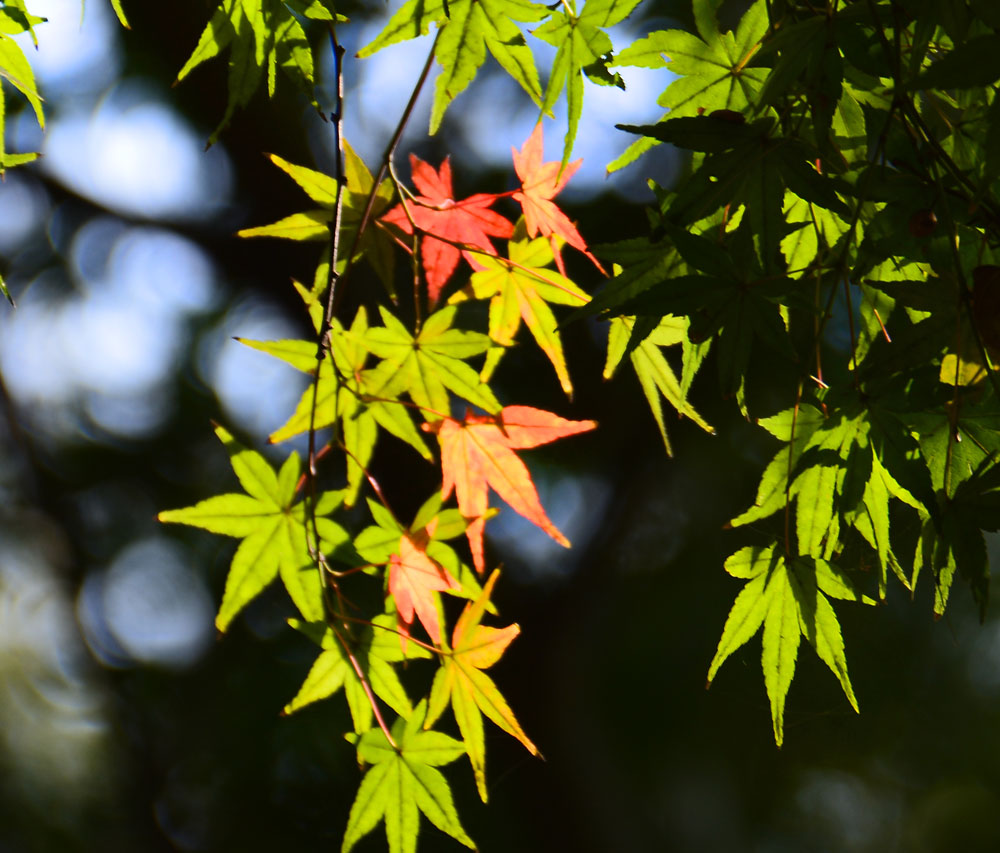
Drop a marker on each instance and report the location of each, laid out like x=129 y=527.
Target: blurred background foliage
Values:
x=125 y=726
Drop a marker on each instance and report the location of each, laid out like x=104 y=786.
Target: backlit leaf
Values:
x=402 y=783
x=478 y=453
x=461 y=681
x=449 y=229
x=520 y=289
x=789 y=601
x=272 y=526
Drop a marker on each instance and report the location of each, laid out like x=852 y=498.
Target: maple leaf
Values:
x=712 y=71
x=272 y=527
x=16 y=70
x=378 y=542
x=375 y=651
x=479 y=452
x=583 y=48
x=413 y=578
x=790 y=599
x=467 y=29
x=461 y=681
x=521 y=289
x=429 y=364
x=402 y=782
x=652 y=369
x=540 y=183
x=374 y=245
x=354 y=396
x=262 y=37
x=445 y=222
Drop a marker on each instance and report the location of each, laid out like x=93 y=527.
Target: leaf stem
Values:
x=426 y=646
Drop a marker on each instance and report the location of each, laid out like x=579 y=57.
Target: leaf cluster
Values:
x=405 y=378
x=839 y=213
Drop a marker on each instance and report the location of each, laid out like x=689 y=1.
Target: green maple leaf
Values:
x=376 y=651
x=652 y=369
x=795 y=427
x=647 y=263
x=737 y=301
x=429 y=364
x=959 y=446
x=520 y=289
x=310 y=224
x=261 y=36
x=402 y=783
x=712 y=71
x=347 y=394
x=16 y=71
x=273 y=529
x=791 y=602
x=955 y=442
x=375 y=244
x=871 y=520
x=955 y=541
x=746 y=165
x=835 y=467
x=583 y=48
x=471 y=692
x=15 y=18
x=120 y=12
x=467 y=29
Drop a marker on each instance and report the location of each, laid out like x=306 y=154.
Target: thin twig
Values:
x=356 y=666
x=380 y=176
x=426 y=646
x=322 y=342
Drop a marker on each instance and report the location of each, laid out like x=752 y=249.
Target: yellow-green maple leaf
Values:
x=471 y=692
x=520 y=288
x=273 y=529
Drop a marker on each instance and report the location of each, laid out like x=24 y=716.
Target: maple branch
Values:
x=313 y=543
x=352 y=571
x=304 y=478
x=366 y=686
x=336 y=117
x=366 y=215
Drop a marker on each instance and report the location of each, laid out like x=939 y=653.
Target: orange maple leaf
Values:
x=435 y=212
x=540 y=183
x=479 y=452
x=413 y=577
x=470 y=691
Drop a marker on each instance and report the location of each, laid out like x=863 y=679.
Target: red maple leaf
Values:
x=479 y=452
x=540 y=183
x=438 y=215
x=413 y=577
